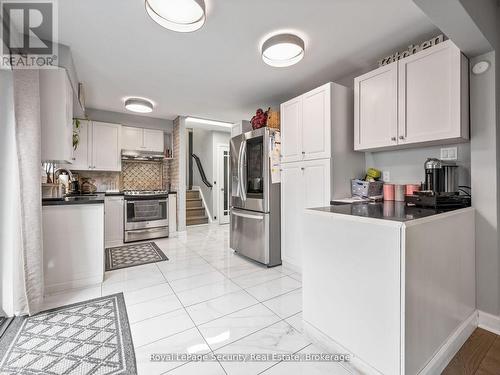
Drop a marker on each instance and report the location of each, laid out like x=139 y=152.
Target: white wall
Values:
x=407 y=166
x=205 y=146
x=130 y=119
x=484 y=189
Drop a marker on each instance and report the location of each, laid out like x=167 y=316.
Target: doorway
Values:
x=222 y=187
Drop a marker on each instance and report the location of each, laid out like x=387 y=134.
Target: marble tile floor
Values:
x=207 y=300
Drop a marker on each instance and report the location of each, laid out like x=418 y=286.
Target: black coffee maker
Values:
x=434 y=176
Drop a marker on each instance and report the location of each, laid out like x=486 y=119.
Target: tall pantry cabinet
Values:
x=317 y=160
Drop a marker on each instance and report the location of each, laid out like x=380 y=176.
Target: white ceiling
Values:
x=216 y=72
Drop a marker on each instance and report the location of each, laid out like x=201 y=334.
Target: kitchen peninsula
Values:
x=399 y=281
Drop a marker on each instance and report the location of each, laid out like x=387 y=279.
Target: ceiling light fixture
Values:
x=177 y=15
x=283 y=50
x=480 y=67
x=210 y=122
x=139 y=105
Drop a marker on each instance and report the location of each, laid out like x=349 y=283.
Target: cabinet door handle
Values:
x=303 y=152
x=401 y=137
x=393 y=138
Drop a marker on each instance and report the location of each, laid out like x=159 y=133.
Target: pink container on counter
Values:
x=412 y=188
x=388 y=192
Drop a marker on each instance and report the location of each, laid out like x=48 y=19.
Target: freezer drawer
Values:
x=250 y=234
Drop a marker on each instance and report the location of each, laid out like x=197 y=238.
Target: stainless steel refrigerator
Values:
x=255 y=200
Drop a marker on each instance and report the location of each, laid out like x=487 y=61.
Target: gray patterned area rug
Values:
x=133 y=255
x=91 y=337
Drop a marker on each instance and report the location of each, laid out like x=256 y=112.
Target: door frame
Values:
x=219 y=173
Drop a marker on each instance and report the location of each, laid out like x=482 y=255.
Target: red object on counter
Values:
x=412 y=188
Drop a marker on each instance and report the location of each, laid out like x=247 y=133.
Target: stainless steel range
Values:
x=146 y=214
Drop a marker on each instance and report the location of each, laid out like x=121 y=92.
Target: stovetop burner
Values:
x=145 y=192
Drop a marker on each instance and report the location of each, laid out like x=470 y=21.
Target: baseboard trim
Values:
x=73 y=284
x=291 y=266
x=489 y=322
x=356 y=365
x=435 y=366
x=450 y=348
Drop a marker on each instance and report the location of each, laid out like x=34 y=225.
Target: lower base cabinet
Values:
x=113 y=220
x=303 y=185
x=73 y=246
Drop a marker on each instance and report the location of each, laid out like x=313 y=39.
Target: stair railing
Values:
x=200 y=169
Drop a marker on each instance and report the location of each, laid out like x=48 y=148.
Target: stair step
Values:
x=195 y=211
x=191 y=203
x=196 y=220
x=192 y=194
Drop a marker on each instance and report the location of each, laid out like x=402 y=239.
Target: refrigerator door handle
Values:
x=240 y=170
x=248 y=216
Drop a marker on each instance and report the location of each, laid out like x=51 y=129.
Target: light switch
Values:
x=449 y=153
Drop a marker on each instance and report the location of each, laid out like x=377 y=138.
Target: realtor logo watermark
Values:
x=28 y=34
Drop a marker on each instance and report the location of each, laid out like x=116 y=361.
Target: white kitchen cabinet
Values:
x=376 y=108
x=142 y=139
x=73 y=246
x=131 y=138
x=106 y=146
x=308 y=122
x=303 y=185
x=433 y=99
x=422 y=99
x=291 y=130
x=407 y=289
x=153 y=140
x=82 y=156
x=56 y=115
x=316 y=123
x=99 y=147
x=113 y=220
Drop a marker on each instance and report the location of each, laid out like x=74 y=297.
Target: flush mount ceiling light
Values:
x=283 y=50
x=139 y=105
x=480 y=67
x=177 y=15
x=209 y=122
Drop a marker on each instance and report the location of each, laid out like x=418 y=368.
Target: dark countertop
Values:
x=388 y=210
x=118 y=193
x=65 y=201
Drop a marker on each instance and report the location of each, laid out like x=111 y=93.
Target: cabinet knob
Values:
x=301 y=168
x=401 y=137
x=303 y=152
x=73 y=158
x=393 y=138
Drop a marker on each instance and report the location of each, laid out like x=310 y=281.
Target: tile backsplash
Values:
x=142 y=175
x=135 y=175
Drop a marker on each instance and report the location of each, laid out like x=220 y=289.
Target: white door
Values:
x=132 y=138
x=222 y=186
x=291 y=133
x=153 y=140
x=106 y=146
x=316 y=120
x=430 y=94
x=376 y=108
x=292 y=205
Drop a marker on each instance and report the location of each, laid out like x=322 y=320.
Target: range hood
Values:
x=141 y=155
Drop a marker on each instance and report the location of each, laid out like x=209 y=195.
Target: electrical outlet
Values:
x=386 y=176
x=449 y=153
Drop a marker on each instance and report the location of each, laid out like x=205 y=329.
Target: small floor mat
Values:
x=4 y=323
x=90 y=337
x=133 y=255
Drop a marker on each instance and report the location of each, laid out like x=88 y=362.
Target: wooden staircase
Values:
x=195 y=212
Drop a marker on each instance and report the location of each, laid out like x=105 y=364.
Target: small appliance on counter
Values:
x=440 y=189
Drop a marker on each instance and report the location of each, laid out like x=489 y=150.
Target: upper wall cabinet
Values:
x=99 y=147
x=422 y=99
x=306 y=126
x=56 y=115
x=142 y=139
